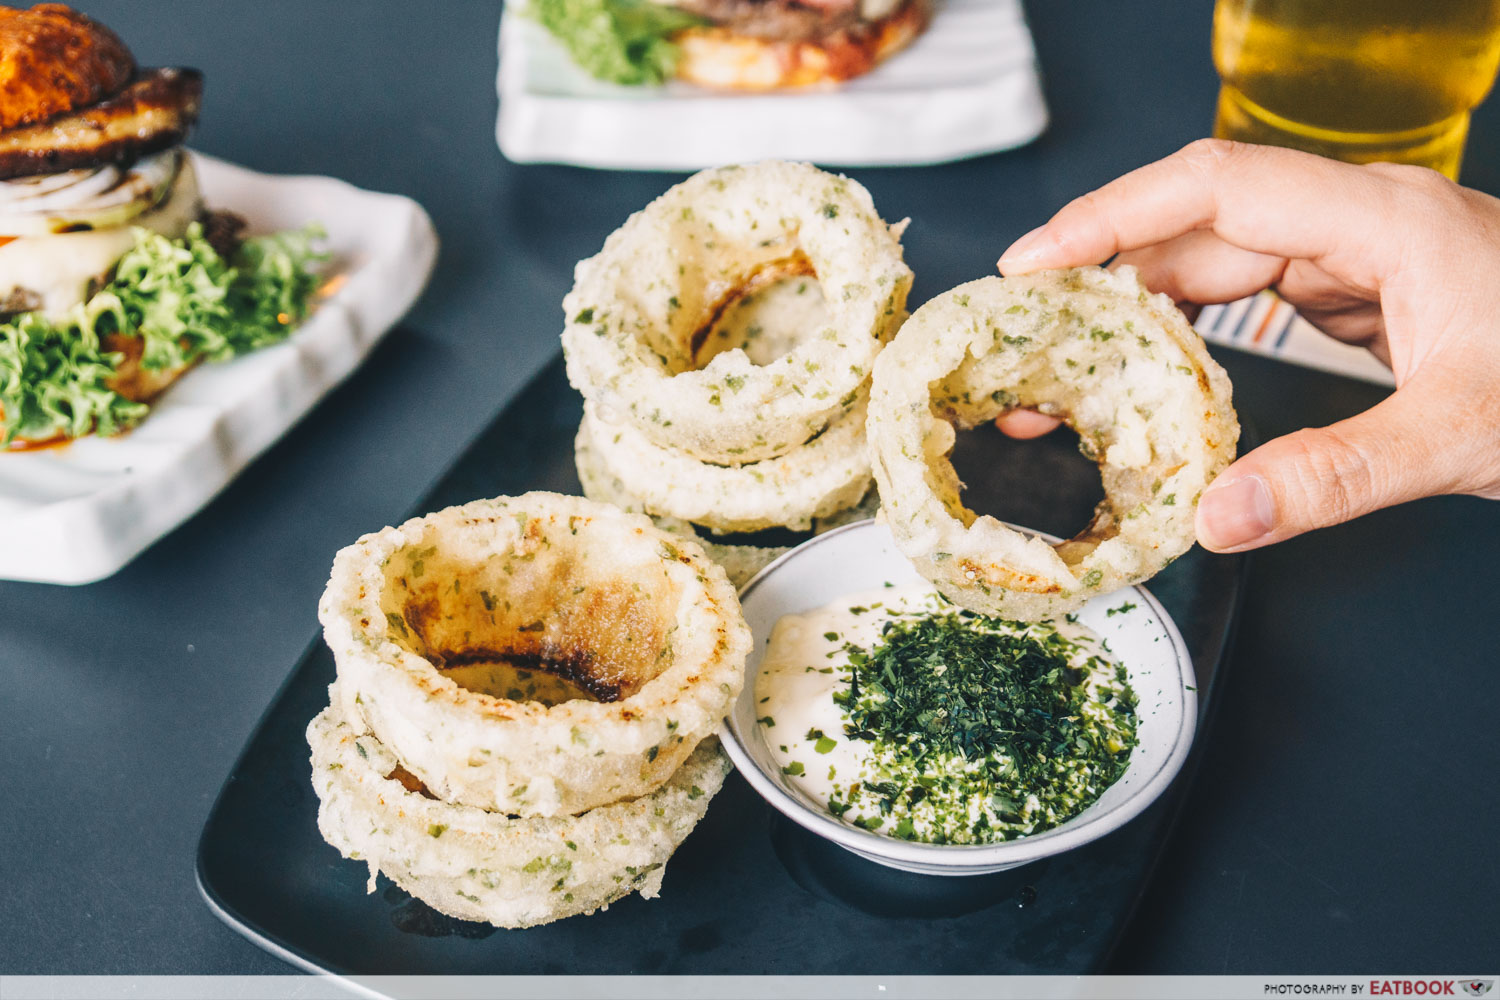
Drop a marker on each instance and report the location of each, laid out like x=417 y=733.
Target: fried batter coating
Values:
x=54 y=60
x=582 y=591
x=1125 y=370
x=639 y=309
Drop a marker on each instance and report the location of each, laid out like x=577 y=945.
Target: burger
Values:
x=114 y=279
x=732 y=44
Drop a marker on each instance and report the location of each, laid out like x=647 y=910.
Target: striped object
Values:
x=1264 y=324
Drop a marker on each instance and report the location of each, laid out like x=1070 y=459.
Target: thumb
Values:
x=1318 y=477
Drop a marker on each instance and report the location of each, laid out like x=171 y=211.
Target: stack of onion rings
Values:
x=640 y=308
x=637 y=619
x=1119 y=365
x=704 y=413
x=506 y=870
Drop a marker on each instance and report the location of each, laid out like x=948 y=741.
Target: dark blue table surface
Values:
x=1344 y=815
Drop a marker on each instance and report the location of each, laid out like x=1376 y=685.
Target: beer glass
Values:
x=1356 y=80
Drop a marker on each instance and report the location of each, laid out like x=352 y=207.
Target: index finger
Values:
x=1259 y=198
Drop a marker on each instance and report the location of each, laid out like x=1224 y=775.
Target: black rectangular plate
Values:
x=748 y=893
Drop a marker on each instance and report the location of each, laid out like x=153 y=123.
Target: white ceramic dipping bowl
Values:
x=863 y=555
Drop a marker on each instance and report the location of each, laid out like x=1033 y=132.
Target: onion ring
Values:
x=817 y=479
x=1121 y=366
x=477 y=865
x=557 y=585
x=638 y=310
x=740 y=562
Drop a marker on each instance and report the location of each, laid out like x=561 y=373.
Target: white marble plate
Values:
x=79 y=512
x=863 y=555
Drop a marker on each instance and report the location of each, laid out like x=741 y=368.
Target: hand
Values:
x=1396 y=259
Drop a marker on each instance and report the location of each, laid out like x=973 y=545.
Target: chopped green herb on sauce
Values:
x=984 y=721
x=956 y=728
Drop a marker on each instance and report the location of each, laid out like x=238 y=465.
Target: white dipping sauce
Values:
x=806 y=663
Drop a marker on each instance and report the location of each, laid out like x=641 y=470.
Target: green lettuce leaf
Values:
x=53 y=383
x=621 y=41
x=181 y=298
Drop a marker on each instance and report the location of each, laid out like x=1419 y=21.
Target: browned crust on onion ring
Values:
x=795 y=266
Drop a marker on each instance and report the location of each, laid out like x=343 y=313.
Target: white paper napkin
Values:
x=967 y=86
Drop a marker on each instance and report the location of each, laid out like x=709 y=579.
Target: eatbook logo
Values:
x=1477 y=987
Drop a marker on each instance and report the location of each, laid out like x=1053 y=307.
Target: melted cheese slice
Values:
x=59 y=268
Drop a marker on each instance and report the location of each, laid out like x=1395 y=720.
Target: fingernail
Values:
x=1026 y=250
x=1236 y=513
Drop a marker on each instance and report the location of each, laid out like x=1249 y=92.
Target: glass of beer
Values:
x=1356 y=80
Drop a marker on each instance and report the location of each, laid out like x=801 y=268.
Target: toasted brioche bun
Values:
x=54 y=60
x=720 y=57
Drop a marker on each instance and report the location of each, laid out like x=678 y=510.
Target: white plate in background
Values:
x=859 y=556
x=967 y=86
x=79 y=512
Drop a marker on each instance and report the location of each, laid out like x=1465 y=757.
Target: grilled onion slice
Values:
x=85 y=200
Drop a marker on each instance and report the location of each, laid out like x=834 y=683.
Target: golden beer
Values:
x=1357 y=80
